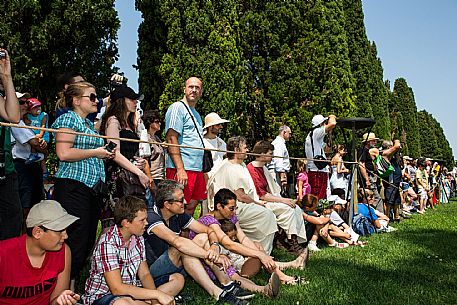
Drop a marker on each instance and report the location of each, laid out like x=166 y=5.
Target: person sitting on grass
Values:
x=225 y=207
x=337 y=227
x=170 y=254
x=316 y=224
x=118 y=264
x=35 y=267
x=365 y=207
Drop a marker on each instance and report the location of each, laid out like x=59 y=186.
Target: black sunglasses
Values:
x=92 y=97
x=22 y=102
x=157 y=121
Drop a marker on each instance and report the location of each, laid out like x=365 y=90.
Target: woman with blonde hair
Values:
x=81 y=170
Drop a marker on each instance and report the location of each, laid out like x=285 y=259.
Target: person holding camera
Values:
x=314 y=149
x=10 y=205
x=81 y=174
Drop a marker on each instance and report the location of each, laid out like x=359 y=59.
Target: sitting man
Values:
x=35 y=267
x=169 y=254
x=119 y=261
x=288 y=214
x=257 y=221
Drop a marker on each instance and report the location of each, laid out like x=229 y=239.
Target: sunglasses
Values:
x=92 y=97
x=157 y=121
x=179 y=201
x=21 y=102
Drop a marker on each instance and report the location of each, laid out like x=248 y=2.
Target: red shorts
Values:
x=196 y=184
x=318 y=182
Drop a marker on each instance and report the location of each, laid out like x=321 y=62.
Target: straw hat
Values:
x=213 y=119
x=369 y=137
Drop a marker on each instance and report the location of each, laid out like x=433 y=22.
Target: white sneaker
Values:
x=313 y=247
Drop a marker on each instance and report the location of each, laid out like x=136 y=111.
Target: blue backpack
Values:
x=362 y=226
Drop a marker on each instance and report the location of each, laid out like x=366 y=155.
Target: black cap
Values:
x=124 y=91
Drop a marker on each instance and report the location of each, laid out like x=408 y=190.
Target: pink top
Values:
x=306 y=188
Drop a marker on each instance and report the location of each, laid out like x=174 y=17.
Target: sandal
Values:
x=297 y=281
x=340 y=245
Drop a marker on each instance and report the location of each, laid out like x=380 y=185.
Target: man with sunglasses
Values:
x=10 y=206
x=35 y=267
x=170 y=255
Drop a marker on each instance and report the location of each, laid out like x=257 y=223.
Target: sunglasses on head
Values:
x=92 y=97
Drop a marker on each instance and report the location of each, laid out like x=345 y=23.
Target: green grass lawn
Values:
x=417 y=264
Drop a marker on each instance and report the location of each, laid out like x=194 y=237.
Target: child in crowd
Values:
x=303 y=186
x=36 y=118
x=337 y=227
x=229 y=228
x=378 y=219
x=316 y=224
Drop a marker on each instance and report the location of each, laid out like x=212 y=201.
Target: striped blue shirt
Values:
x=88 y=171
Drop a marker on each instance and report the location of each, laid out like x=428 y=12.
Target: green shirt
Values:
x=9 y=165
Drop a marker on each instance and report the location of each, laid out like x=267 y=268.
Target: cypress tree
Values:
x=404 y=103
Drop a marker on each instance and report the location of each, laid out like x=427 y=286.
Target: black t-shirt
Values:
x=365 y=158
x=156 y=246
x=397 y=174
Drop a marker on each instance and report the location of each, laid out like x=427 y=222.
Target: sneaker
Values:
x=34 y=157
x=340 y=245
x=183 y=298
x=313 y=247
x=227 y=297
x=240 y=293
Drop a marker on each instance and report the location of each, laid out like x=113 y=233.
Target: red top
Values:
x=260 y=181
x=20 y=282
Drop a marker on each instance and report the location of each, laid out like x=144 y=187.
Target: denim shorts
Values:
x=162 y=268
x=108 y=299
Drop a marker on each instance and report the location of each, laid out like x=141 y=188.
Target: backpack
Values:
x=362 y=226
x=383 y=167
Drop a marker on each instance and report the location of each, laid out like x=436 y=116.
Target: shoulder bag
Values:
x=207 y=156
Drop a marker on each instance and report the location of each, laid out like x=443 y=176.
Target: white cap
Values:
x=336 y=199
x=318 y=119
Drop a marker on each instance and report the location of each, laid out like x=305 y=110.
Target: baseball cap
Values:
x=335 y=199
x=49 y=214
x=124 y=91
x=33 y=102
x=318 y=119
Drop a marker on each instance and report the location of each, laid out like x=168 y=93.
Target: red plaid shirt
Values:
x=111 y=253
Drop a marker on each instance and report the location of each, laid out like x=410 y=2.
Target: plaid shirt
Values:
x=88 y=171
x=111 y=253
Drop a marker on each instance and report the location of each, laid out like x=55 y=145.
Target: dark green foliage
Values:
x=433 y=141
x=46 y=38
x=268 y=63
x=402 y=102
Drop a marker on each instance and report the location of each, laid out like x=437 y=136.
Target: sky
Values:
x=416 y=40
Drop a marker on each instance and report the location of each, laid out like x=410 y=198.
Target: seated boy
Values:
x=378 y=219
x=35 y=267
x=119 y=262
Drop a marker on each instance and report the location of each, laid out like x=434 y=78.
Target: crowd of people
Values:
x=146 y=195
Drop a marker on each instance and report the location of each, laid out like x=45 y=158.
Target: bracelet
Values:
x=216 y=243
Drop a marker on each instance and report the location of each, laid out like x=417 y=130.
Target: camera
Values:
x=111 y=146
x=2 y=54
